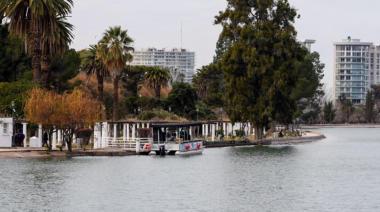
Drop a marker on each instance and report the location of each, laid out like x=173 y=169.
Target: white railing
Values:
x=128 y=144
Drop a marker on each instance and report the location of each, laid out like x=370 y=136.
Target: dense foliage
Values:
x=67 y=112
x=13 y=61
x=62 y=69
x=157 y=78
x=261 y=60
x=370 y=114
x=182 y=100
x=43 y=26
x=208 y=82
x=114 y=50
x=329 y=112
x=13 y=96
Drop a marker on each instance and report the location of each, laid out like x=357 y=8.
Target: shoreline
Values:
x=312 y=137
x=318 y=126
x=41 y=153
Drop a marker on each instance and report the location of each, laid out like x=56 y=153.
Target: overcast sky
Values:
x=157 y=23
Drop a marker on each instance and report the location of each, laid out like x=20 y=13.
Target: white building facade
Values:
x=180 y=62
x=356 y=69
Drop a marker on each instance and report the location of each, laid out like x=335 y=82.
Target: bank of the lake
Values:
x=42 y=153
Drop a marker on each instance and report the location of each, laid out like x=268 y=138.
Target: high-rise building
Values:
x=307 y=43
x=356 y=69
x=180 y=62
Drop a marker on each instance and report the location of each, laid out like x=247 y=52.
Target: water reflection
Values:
x=266 y=151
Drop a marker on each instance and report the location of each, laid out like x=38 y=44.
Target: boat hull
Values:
x=186 y=148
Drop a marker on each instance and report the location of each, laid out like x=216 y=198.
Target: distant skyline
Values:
x=158 y=24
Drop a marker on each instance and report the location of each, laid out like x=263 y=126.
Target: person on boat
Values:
x=170 y=137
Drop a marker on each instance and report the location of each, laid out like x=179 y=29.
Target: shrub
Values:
x=158 y=114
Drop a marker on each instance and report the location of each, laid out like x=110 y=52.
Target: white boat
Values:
x=177 y=139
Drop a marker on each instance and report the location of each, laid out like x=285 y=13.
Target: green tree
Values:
x=329 y=112
x=62 y=69
x=115 y=51
x=91 y=65
x=13 y=97
x=370 y=107
x=308 y=92
x=157 y=78
x=260 y=60
x=30 y=19
x=208 y=82
x=13 y=62
x=55 y=43
x=346 y=107
x=182 y=100
x=134 y=78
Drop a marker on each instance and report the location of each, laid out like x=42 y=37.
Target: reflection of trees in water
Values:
x=264 y=151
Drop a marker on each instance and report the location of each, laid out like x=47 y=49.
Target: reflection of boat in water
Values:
x=176 y=139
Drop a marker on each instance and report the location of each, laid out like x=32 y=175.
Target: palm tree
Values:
x=157 y=78
x=30 y=19
x=115 y=51
x=55 y=43
x=92 y=65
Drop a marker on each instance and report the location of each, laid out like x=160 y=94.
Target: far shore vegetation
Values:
x=260 y=73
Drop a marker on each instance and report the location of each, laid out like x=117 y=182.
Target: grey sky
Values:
x=156 y=23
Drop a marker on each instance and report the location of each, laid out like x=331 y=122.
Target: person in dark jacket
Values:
x=45 y=139
x=19 y=139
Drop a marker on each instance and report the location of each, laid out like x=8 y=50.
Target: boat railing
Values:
x=128 y=144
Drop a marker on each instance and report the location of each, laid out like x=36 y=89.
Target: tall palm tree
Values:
x=115 y=51
x=29 y=19
x=92 y=65
x=157 y=78
x=55 y=42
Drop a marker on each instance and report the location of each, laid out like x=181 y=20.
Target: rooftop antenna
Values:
x=181 y=36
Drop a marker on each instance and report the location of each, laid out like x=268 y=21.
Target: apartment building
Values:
x=180 y=62
x=357 y=67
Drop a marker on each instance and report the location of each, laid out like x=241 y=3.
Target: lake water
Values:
x=340 y=173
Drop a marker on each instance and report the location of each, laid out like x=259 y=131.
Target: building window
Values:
x=5 y=128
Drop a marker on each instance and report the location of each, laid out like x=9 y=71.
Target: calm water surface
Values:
x=341 y=173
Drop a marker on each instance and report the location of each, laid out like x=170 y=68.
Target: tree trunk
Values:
x=50 y=140
x=45 y=70
x=157 y=90
x=69 y=145
x=68 y=139
x=100 y=79
x=36 y=54
x=258 y=133
x=115 y=110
